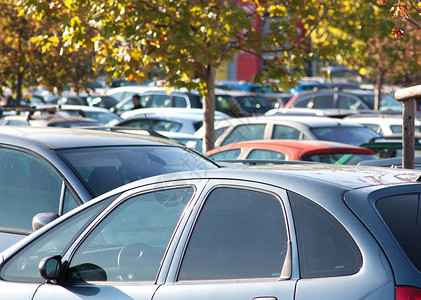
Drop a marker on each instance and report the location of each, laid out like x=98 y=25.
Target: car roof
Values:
x=340 y=176
x=303 y=145
x=64 y=138
x=311 y=121
x=48 y=118
x=185 y=113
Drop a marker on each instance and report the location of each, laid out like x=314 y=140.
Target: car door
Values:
x=122 y=255
x=237 y=246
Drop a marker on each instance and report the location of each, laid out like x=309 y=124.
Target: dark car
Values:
x=52 y=170
x=327 y=99
x=287 y=232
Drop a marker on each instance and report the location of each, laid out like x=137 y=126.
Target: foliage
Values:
x=405 y=14
x=184 y=41
x=31 y=53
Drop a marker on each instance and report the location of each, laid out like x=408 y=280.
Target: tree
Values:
x=404 y=14
x=188 y=39
x=373 y=50
x=27 y=61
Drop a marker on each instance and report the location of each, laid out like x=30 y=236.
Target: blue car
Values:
x=297 y=232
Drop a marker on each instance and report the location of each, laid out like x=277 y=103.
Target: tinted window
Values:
x=129 y=244
x=179 y=101
x=105 y=168
x=402 y=216
x=28 y=186
x=265 y=154
x=398 y=128
x=339 y=158
x=325 y=101
x=325 y=248
x=301 y=102
x=245 y=133
x=229 y=154
x=239 y=234
x=286 y=133
x=349 y=102
x=348 y=135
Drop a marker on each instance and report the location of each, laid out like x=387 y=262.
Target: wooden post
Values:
x=407 y=97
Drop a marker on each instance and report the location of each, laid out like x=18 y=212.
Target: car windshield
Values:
x=103 y=169
x=348 y=135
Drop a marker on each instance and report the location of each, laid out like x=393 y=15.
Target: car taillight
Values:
x=408 y=293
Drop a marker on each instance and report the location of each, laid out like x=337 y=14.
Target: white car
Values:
x=383 y=124
x=290 y=128
x=103 y=115
x=123 y=92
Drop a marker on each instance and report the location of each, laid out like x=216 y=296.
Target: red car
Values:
x=309 y=150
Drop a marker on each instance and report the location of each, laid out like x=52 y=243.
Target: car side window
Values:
x=240 y=233
x=325 y=248
x=282 y=132
x=265 y=154
x=179 y=101
x=228 y=154
x=301 y=102
x=245 y=133
x=28 y=186
x=129 y=244
x=324 y=101
x=24 y=266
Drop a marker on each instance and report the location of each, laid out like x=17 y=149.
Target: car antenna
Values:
x=151 y=131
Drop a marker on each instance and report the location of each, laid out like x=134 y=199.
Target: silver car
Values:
x=270 y=232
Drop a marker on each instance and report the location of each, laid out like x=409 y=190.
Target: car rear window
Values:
x=344 y=134
x=402 y=216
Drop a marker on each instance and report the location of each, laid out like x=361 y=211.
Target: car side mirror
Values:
x=50 y=268
x=43 y=219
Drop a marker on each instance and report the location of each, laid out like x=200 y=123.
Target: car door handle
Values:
x=265 y=298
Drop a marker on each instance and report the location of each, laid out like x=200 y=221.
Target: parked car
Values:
x=126 y=92
x=327 y=99
x=276 y=97
x=391 y=146
x=160 y=97
x=96 y=100
x=174 y=119
x=383 y=124
x=394 y=162
x=56 y=169
x=289 y=128
x=102 y=115
x=315 y=151
x=286 y=232
x=252 y=103
x=48 y=120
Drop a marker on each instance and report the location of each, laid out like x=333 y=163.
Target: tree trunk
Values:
x=209 y=110
x=377 y=91
x=18 y=88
